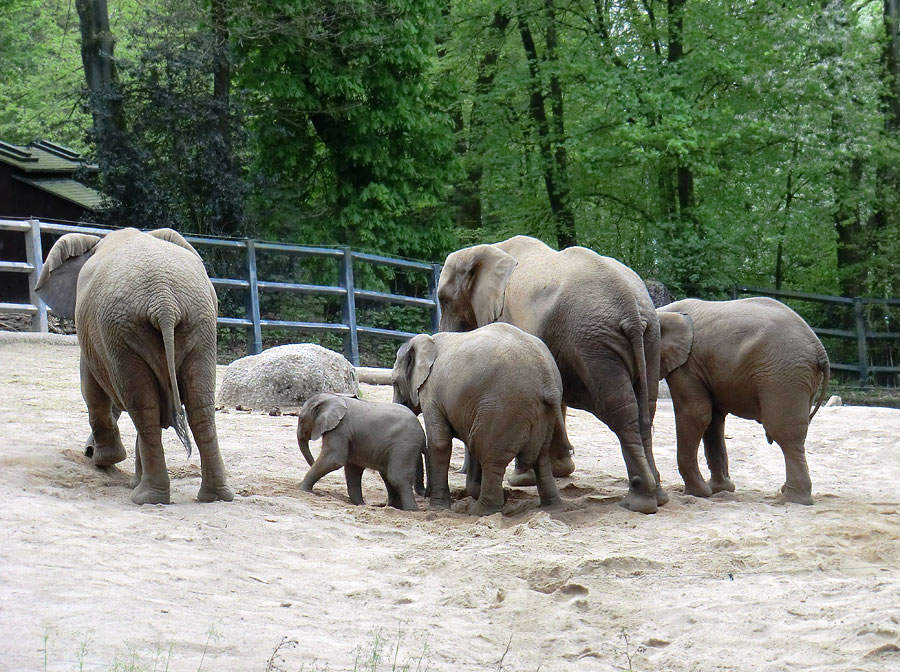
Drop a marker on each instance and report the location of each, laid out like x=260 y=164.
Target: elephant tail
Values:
x=824 y=367
x=635 y=333
x=166 y=326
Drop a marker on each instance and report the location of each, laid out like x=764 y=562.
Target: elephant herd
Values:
x=525 y=332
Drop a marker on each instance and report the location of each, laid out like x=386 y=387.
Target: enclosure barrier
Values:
x=252 y=322
x=860 y=333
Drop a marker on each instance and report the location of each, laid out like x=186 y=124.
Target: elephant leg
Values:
x=691 y=420
x=353 y=475
x=473 y=478
x=439 y=443
x=329 y=460
x=467 y=460
x=546 y=484
x=789 y=431
x=153 y=487
x=400 y=494
x=560 y=453
x=716 y=454
x=104 y=444
x=198 y=376
x=490 y=499
x=138 y=469
x=619 y=411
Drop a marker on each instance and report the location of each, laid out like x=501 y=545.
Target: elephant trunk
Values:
x=304 y=448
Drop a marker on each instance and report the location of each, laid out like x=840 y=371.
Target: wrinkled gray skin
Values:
x=358 y=435
x=597 y=319
x=145 y=312
x=497 y=390
x=755 y=358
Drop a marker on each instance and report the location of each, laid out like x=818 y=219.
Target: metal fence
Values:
x=861 y=333
x=252 y=285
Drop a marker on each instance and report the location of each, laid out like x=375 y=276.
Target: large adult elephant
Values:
x=145 y=312
x=597 y=319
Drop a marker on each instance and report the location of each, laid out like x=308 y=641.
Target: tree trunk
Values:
x=555 y=180
x=684 y=176
x=468 y=194
x=228 y=220
x=97 y=46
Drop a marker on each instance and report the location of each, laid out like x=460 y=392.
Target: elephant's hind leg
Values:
x=104 y=444
x=153 y=487
x=797 y=486
x=490 y=499
x=716 y=454
x=199 y=396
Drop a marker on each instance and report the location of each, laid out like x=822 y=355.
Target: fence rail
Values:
x=860 y=333
x=251 y=284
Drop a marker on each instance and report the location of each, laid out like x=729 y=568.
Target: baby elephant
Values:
x=498 y=390
x=360 y=434
x=755 y=358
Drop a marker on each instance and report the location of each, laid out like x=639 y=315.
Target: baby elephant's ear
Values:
x=331 y=411
x=59 y=277
x=676 y=337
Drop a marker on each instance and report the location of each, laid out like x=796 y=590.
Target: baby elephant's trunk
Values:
x=304 y=448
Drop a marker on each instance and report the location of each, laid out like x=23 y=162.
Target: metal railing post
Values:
x=348 y=308
x=34 y=255
x=432 y=294
x=861 y=341
x=251 y=303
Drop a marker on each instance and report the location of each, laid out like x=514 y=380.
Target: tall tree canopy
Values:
x=702 y=143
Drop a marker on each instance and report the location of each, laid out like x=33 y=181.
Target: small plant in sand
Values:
x=381 y=654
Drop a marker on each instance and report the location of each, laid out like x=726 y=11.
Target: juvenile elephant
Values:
x=358 y=435
x=755 y=358
x=595 y=316
x=497 y=390
x=145 y=313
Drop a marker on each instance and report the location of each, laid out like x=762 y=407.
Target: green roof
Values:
x=67 y=188
x=51 y=167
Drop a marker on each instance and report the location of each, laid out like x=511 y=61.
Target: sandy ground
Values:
x=89 y=581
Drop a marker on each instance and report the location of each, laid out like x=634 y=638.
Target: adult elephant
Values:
x=145 y=312
x=597 y=319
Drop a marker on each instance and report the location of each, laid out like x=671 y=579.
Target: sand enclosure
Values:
x=89 y=581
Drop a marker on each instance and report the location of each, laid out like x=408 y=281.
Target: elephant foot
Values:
x=105 y=455
x=698 y=489
x=477 y=508
x=524 y=478
x=662 y=497
x=638 y=502
x=435 y=503
x=135 y=481
x=144 y=494
x=562 y=467
x=218 y=493
x=795 y=495
x=721 y=484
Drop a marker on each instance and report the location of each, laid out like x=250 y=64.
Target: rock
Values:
x=834 y=401
x=659 y=293
x=286 y=376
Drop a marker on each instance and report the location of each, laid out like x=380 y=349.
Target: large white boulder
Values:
x=285 y=377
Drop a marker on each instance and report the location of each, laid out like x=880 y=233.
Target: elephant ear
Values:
x=329 y=413
x=172 y=236
x=473 y=282
x=676 y=336
x=58 y=281
x=413 y=365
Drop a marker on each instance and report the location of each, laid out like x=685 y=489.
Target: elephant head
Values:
x=411 y=368
x=59 y=277
x=321 y=413
x=472 y=285
x=676 y=336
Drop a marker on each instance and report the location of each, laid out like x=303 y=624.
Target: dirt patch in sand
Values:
x=89 y=581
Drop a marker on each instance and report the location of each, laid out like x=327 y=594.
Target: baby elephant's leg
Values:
x=353 y=474
x=332 y=457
